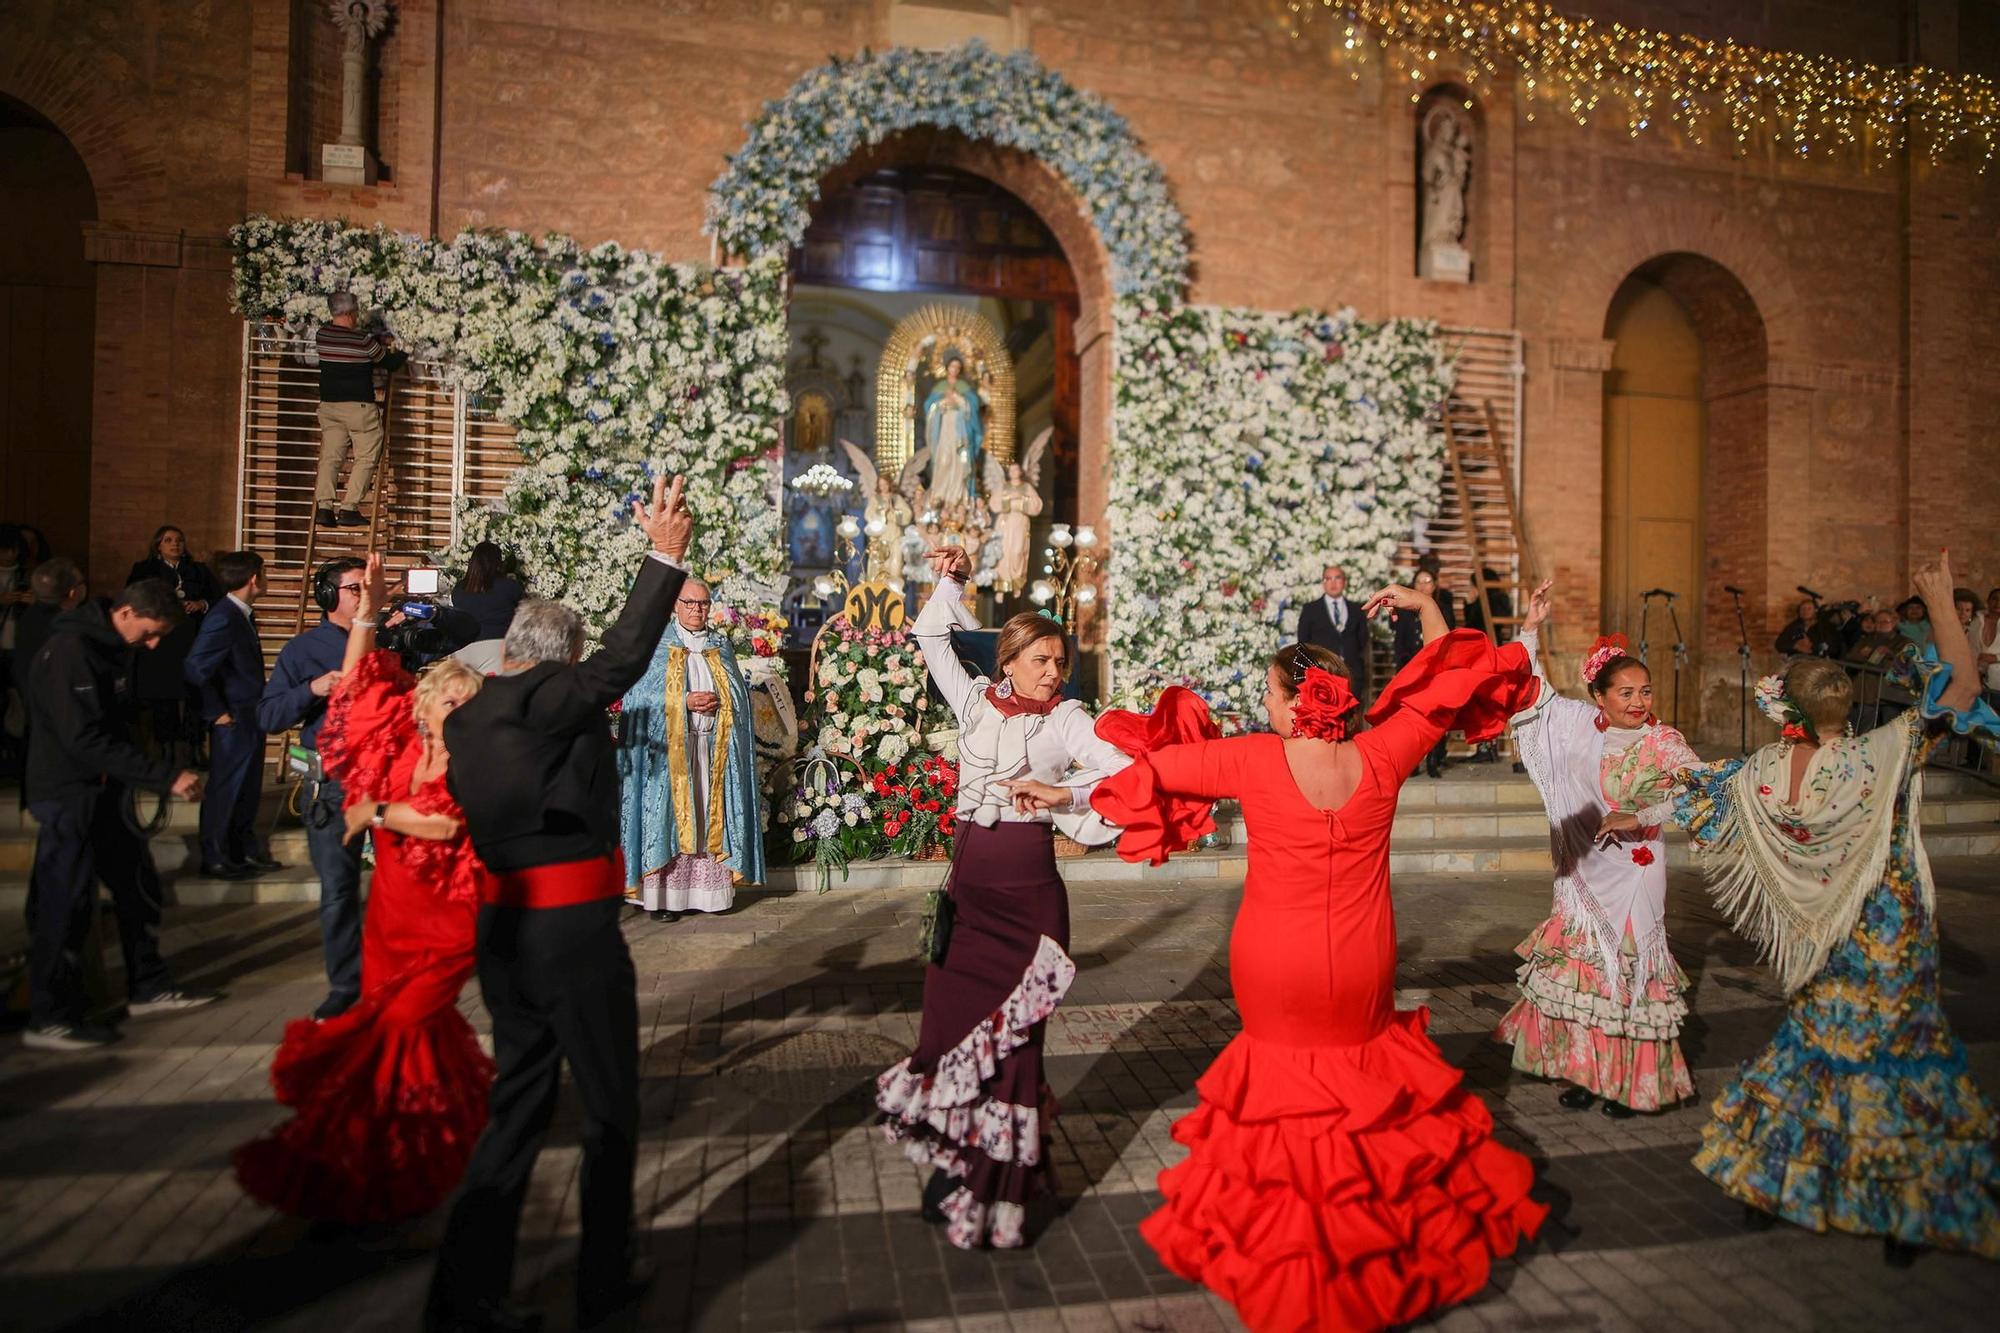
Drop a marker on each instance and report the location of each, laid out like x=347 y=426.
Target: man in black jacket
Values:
x=81 y=762
x=1334 y=621
x=533 y=766
x=226 y=669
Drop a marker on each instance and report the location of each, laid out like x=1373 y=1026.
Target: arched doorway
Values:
x=48 y=299
x=923 y=222
x=1683 y=413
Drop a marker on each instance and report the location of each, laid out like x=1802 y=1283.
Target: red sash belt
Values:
x=564 y=884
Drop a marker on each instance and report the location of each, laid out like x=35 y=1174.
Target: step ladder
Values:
x=333 y=543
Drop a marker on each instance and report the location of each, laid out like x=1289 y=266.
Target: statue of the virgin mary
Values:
x=953 y=431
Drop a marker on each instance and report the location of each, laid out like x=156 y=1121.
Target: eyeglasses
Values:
x=354 y=588
x=702 y=603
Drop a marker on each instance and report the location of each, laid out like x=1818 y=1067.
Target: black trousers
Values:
x=81 y=839
x=560 y=986
x=235 y=781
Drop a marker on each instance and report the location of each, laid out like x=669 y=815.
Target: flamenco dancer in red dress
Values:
x=1340 y=1178
x=391 y=1095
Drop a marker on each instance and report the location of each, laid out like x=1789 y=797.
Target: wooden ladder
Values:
x=1480 y=518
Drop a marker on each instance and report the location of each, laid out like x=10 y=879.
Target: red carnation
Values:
x=1642 y=856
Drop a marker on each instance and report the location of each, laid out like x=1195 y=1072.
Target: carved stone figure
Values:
x=1017 y=500
x=891 y=508
x=1446 y=176
x=348 y=160
x=954 y=434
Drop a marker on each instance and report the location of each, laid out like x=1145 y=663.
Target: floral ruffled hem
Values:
x=947 y=1119
x=1929 y=1189
x=1340 y=1187
x=1569 y=1026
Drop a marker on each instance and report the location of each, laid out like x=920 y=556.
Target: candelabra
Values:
x=832 y=585
x=1069 y=573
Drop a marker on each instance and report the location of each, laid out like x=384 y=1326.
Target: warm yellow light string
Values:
x=1807 y=104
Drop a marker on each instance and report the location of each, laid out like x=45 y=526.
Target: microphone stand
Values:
x=1645 y=606
x=1742 y=676
x=1680 y=655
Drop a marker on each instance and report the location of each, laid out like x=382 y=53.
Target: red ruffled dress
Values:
x=1340 y=1177
x=391 y=1095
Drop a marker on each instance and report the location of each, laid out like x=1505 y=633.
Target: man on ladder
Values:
x=348 y=414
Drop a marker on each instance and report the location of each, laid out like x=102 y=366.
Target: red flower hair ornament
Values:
x=1322 y=707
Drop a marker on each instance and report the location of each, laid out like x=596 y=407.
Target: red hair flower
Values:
x=1794 y=732
x=1642 y=856
x=1323 y=704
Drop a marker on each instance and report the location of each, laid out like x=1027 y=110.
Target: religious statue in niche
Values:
x=954 y=434
x=1016 y=499
x=349 y=161
x=812 y=423
x=1446 y=177
x=890 y=510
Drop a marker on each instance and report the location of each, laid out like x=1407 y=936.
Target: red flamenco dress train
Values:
x=1339 y=1175
x=390 y=1096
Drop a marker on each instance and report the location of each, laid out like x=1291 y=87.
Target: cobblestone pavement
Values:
x=772 y=1205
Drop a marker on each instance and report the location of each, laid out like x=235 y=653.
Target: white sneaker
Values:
x=69 y=1037
x=171 y=997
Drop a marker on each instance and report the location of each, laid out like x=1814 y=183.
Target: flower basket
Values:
x=1068 y=846
x=940 y=851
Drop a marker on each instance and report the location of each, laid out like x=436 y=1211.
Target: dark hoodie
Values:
x=77 y=734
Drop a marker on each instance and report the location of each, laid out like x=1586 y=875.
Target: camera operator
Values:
x=81 y=766
x=307 y=669
x=420 y=629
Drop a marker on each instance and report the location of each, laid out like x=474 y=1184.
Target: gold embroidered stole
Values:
x=680 y=770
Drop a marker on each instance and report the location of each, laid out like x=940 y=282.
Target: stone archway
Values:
x=1685 y=421
x=1035 y=184
x=48 y=302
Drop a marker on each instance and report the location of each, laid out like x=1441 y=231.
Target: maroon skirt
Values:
x=971 y=1099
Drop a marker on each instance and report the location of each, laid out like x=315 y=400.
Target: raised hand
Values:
x=374 y=587
x=1396 y=597
x=1538 y=606
x=1934 y=585
x=667 y=522
x=950 y=562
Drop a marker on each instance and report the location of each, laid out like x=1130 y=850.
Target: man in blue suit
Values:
x=226 y=668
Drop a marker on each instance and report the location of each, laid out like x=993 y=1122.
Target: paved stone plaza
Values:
x=772 y=1204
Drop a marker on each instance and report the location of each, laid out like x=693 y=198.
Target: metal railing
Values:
x=1877 y=699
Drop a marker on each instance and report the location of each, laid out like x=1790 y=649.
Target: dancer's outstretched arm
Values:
x=1947 y=635
x=932 y=629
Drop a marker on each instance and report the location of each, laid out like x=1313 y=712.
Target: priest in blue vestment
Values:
x=687 y=765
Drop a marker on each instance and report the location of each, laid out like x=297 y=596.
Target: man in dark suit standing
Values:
x=226 y=668
x=534 y=768
x=1334 y=621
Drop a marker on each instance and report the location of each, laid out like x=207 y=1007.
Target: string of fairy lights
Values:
x=1709 y=89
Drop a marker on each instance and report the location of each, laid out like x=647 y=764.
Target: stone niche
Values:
x=934 y=25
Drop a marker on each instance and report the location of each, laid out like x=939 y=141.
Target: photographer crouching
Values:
x=82 y=766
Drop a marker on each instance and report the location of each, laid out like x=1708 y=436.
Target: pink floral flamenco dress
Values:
x=389 y=1097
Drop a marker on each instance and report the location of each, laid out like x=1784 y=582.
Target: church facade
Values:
x=1738 y=367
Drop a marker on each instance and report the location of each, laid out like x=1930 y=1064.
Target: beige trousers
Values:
x=339 y=425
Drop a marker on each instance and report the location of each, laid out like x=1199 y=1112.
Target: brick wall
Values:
x=1861 y=444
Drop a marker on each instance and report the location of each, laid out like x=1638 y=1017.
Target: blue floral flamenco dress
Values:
x=1860 y=1115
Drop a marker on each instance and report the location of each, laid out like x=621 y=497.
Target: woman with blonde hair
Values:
x=391 y=1095
x=971 y=1101
x=1861 y=1114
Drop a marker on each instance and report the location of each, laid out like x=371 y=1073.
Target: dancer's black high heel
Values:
x=1901 y=1254
x=1756 y=1219
x=936 y=1191
x=1617 y=1110
x=1577 y=1099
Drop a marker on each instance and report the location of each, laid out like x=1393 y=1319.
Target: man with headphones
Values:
x=307 y=669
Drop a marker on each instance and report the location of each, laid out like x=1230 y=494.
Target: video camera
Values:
x=428 y=628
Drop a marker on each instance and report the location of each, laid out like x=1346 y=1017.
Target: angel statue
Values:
x=1016 y=498
x=953 y=434
x=891 y=507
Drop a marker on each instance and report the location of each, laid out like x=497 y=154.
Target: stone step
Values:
x=296 y=883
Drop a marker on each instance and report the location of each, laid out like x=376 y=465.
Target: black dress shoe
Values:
x=593 y=1310
x=350 y=518
x=333 y=1006
x=262 y=864
x=226 y=870
x=1617 y=1110
x=1577 y=1099
x=323 y=516
x=487 y=1317
x=662 y=914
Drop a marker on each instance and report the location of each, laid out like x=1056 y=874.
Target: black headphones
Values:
x=326 y=583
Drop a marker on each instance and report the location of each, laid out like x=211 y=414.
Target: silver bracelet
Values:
x=366 y=624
